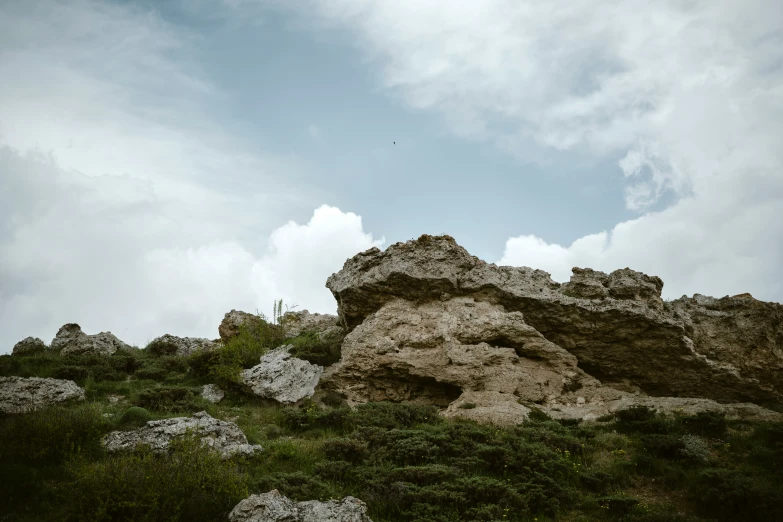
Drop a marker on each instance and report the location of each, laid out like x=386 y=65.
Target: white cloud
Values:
x=689 y=94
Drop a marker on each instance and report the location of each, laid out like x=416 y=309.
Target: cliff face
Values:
x=427 y=321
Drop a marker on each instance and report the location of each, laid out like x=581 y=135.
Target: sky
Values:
x=162 y=163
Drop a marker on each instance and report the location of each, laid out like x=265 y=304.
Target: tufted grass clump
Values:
x=189 y=483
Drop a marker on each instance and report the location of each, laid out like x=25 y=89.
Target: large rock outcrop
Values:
x=275 y=507
x=29 y=346
x=23 y=394
x=183 y=346
x=71 y=340
x=282 y=377
x=223 y=437
x=408 y=311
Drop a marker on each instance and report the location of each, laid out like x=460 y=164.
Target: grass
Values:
x=405 y=461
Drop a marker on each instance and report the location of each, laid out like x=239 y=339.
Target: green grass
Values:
x=405 y=461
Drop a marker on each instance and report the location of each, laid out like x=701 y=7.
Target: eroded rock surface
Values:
x=224 y=437
x=212 y=393
x=275 y=507
x=282 y=377
x=233 y=321
x=410 y=331
x=172 y=345
x=29 y=346
x=324 y=325
x=71 y=340
x=23 y=394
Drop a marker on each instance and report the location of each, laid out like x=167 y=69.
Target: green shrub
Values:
x=618 y=505
x=705 y=424
x=134 y=417
x=316 y=349
x=349 y=450
x=167 y=398
x=731 y=495
x=189 y=483
x=333 y=399
x=663 y=446
x=297 y=486
x=52 y=433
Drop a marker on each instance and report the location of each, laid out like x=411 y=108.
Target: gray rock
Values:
x=212 y=393
x=325 y=325
x=224 y=437
x=282 y=377
x=71 y=340
x=20 y=394
x=183 y=346
x=616 y=325
x=274 y=507
x=233 y=322
x=29 y=346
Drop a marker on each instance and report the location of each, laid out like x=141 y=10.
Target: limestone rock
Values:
x=71 y=340
x=233 y=321
x=20 y=394
x=282 y=377
x=29 y=346
x=212 y=393
x=224 y=437
x=172 y=345
x=274 y=507
x=615 y=324
x=325 y=325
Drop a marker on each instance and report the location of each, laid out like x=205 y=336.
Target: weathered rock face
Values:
x=233 y=322
x=282 y=377
x=224 y=437
x=325 y=325
x=274 y=507
x=172 y=345
x=212 y=393
x=20 y=395
x=29 y=346
x=71 y=340
x=615 y=325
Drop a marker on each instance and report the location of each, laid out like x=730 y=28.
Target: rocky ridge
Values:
x=24 y=394
x=275 y=507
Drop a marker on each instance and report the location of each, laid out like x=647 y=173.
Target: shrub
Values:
x=52 y=433
x=168 y=398
x=316 y=349
x=706 y=424
x=731 y=495
x=189 y=483
x=296 y=485
x=349 y=450
x=663 y=446
x=617 y=505
x=135 y=417
x=695 y=448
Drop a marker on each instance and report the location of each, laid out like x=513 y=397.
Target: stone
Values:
x=71 y=340
x=324 y=325
x=275 y=507
x=183 y=346
x=282 y=377
x=233 y=321
x=223 y=437
x=212 y=393
x=615 y=325
x=29 y=346
x=24 y=394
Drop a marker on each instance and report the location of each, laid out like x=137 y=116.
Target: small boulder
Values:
x=212 y=393
x=224 y=437
x=71 y=340
x=275 y=507
x=29 y=346
x=172 y=345
x=20 y=394
x=282 y=377
x=233 y=322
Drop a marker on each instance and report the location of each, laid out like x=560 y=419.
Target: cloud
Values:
x=101 y=251
x=686 y=95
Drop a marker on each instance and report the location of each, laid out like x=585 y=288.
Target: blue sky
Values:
x=164 y=162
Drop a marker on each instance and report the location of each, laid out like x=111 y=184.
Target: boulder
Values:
x=324 y=325
x=274 y=507
x=71 y=340
x=29 y=346
x=172 y=345
x=23 y=394
x=282 y=377
x=624 y=338
x=233 y=321
x=212 y=393
x=224 y=437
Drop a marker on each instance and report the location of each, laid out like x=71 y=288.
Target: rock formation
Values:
x=274 y=507
x=233 y=321
x=224 y=437
x=172 y=345
x=20 y=394
x=70 y=340
x=282 y=377
x=212 y=393
x=324 y=325
x=430 y=322
x=29 y=346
